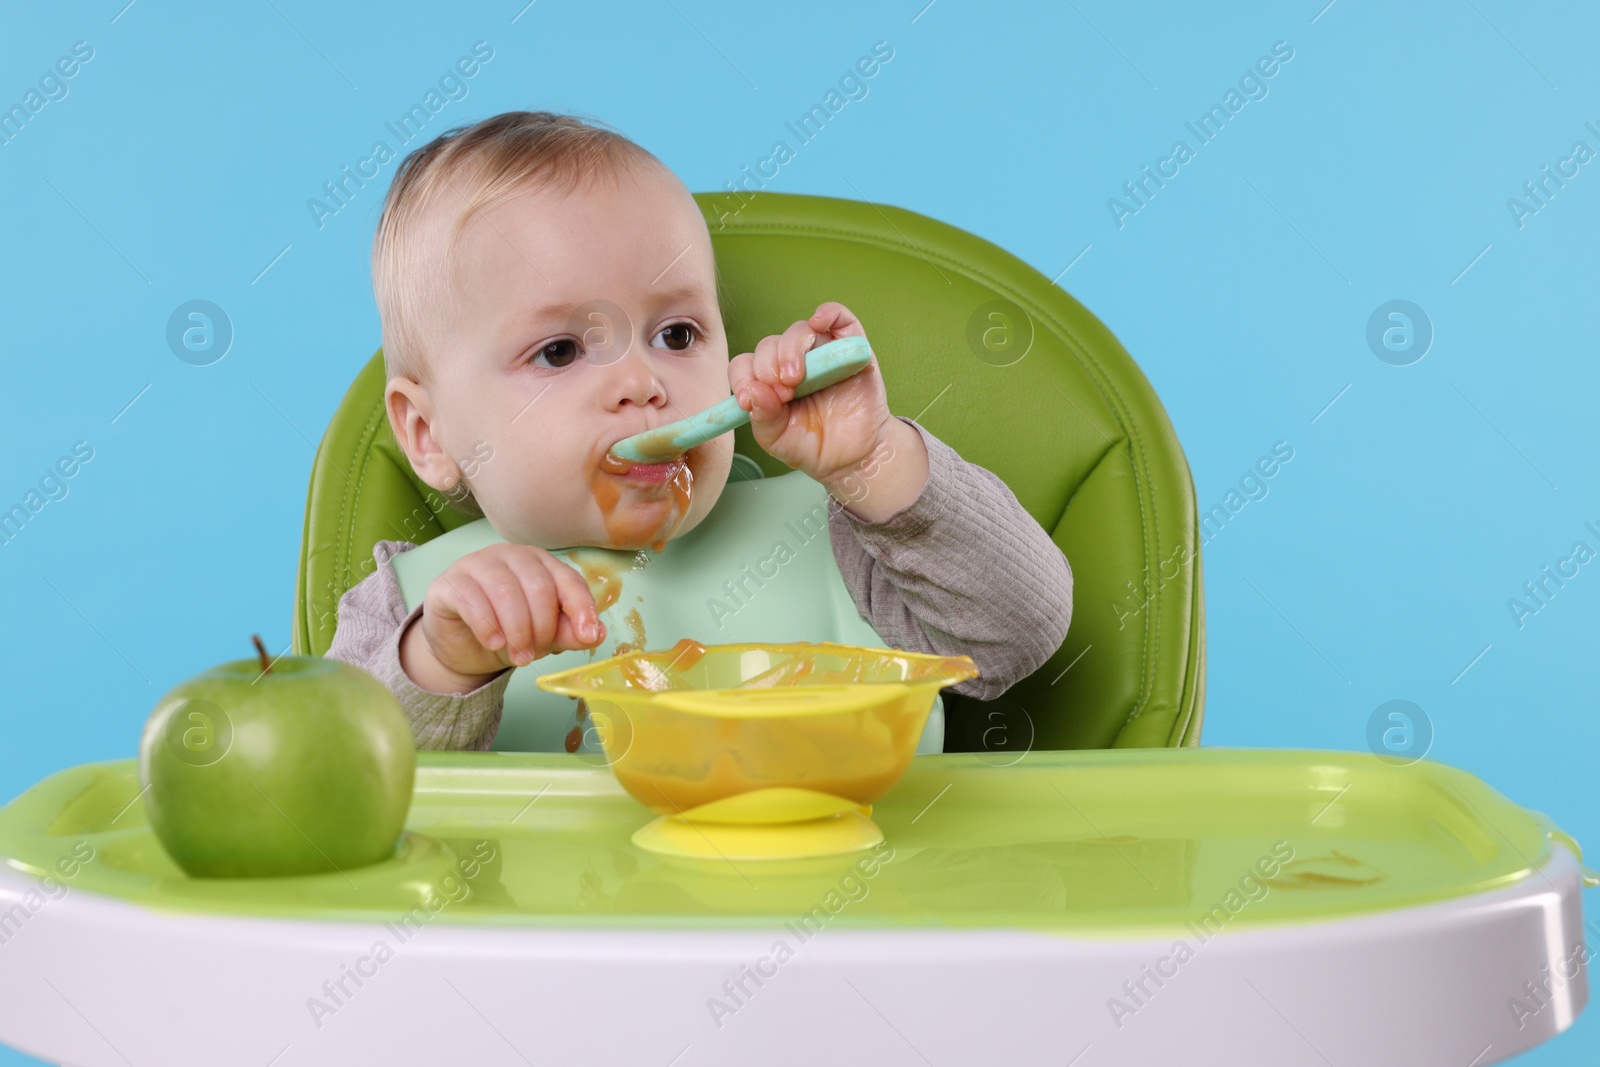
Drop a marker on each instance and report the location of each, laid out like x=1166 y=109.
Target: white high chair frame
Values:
x=90 y=981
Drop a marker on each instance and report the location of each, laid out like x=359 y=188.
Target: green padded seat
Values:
x=993 y=359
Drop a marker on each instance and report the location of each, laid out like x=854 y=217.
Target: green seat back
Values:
x=993 y=359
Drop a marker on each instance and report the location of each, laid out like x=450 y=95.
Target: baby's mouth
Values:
x=652 y=473
x=641 y=473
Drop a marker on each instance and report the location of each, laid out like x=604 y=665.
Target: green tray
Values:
x=1113 y=843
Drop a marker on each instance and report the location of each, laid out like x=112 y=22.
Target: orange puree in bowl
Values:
x=686 y=653
x=674 y=759
x=645 y=673
x=863 y=770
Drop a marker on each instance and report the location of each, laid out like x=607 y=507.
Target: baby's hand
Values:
x=828 y=433
x=501 y=606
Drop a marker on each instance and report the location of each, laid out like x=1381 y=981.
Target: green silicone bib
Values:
x=759 y=567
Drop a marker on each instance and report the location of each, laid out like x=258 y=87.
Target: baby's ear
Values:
x=410 y=411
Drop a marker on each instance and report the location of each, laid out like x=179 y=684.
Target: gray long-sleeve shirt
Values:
x=961 y=570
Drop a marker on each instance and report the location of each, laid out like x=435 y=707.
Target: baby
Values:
x=547 y=288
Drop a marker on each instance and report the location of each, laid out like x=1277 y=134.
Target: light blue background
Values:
x=1377 y=168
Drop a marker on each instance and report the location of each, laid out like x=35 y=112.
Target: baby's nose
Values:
x=636 y=383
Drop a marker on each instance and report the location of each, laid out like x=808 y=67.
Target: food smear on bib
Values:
x=635 y=623
x=605 y=584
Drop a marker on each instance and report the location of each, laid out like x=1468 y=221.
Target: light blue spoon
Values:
x=825 y=365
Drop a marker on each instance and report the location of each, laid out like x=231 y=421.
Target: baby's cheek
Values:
x=535 y=510
x=709 y=465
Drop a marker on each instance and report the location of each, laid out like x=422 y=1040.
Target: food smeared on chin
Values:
x=631 y=523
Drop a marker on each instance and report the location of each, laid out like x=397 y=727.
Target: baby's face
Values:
x=584 y=318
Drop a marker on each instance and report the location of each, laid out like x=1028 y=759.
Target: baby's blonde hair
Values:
x=474 y=167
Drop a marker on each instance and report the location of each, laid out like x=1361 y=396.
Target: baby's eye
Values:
x=557 y=354
x=679 y=335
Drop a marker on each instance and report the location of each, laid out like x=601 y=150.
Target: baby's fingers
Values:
x=755 y=388
x=765 y=361
x=458 y=595
x=741 y=372
x=578 y=625
x=741 y=369
x=520 y=607
x=570 y=639
x=764 y=403
x=833 y=319
x=796 y=341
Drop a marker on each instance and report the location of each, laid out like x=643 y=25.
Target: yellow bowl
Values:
x=760 y=733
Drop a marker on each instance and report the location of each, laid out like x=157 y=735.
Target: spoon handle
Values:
x=825 y=365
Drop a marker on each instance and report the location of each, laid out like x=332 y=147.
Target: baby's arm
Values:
x=962 y=570
x=372 y=619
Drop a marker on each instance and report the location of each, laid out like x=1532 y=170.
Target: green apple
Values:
x=259 y=768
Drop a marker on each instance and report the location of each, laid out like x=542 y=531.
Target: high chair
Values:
x=995 y=361
x=1091 y=888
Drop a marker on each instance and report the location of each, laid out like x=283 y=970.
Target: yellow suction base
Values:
x=831 y=835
